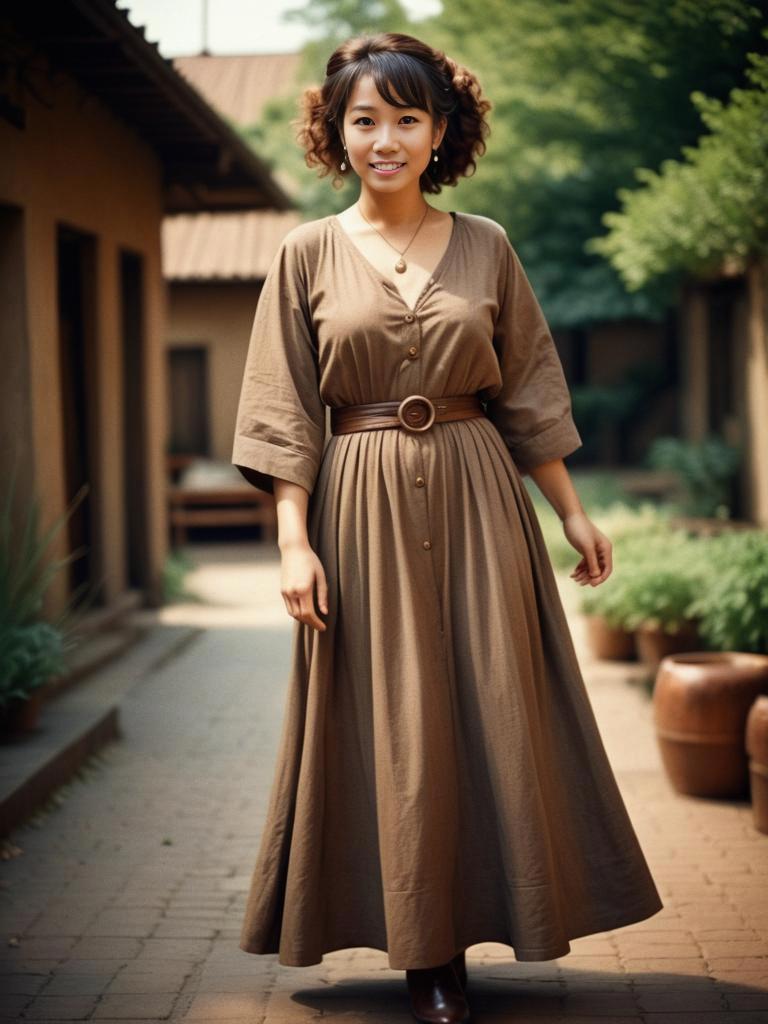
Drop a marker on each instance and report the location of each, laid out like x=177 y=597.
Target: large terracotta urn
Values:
x=757 y=750
x=701 y=700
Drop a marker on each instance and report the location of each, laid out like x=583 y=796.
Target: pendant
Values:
x=401 y=266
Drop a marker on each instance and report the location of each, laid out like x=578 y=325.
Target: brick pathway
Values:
x=124 y=902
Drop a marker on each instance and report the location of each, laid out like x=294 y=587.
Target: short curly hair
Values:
x=423 y=77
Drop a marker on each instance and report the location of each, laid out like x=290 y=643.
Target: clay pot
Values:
x=653 y=643
x=609 y=642
x=21 y=716
x=701 y=700
x=757 y=748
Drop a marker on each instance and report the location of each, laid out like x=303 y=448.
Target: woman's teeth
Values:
x=387 y=168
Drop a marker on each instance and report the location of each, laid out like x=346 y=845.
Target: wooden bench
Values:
x=217 y=505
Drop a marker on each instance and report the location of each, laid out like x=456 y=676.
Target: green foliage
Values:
x=710 y=207
x=29 y=656
x=584 y=93
x=31 y=650
x=338 y=19
x=732 y=607
x=707 y=469
x=617 y=404
x=177 y=565
x=671 y=577
x=655 y=581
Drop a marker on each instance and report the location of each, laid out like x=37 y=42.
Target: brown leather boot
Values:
x=460 y=966
x=436 y=995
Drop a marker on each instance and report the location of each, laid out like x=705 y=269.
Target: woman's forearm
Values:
x=554 y=482
x=291 y=502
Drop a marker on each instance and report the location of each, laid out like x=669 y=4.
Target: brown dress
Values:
x=441 y=780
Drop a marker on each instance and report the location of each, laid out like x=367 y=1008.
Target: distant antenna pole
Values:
x=205 y=51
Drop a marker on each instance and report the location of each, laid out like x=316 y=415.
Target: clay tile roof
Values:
x=223 y=246
x=231 y=246
x=238 y=86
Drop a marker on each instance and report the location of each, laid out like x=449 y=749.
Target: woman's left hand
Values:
x=597 y=564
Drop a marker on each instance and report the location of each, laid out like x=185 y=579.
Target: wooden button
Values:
x=427 y=544
x=409 y=317
x=419 y=481
x=413 y=351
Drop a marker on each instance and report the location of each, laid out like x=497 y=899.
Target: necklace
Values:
x=401 y=266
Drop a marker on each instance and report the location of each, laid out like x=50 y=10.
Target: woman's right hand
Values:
x=300 y=570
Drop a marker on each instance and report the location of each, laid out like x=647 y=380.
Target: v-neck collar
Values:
x=375 y=272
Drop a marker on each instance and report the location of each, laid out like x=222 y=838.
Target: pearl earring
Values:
x=435 y=156
x=344 y=162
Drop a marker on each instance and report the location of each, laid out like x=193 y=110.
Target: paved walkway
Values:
x=124 y=902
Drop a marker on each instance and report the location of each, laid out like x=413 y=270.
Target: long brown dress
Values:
x=441 y=780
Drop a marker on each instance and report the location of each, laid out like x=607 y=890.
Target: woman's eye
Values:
x=366 y=118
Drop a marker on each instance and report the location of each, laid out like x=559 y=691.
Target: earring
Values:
x=344 y=162
x=435 y=156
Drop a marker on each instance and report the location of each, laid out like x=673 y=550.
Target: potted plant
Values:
x=702 y=699
x=30 y=655
x=649 y=594
x=633 y=532
x=657 y=600
x=32 y=651
x=603 y=612
x=732 y=607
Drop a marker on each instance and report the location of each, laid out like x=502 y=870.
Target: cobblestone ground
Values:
x=124 y=902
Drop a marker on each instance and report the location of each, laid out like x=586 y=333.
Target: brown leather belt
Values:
x=414 y=413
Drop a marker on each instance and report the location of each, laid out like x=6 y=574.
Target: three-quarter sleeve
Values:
x=280 y=423
x=532 y=410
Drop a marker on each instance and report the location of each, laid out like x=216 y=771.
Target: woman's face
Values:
x=375 y=132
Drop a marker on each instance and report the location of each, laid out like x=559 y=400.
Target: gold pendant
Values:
x=401 y=266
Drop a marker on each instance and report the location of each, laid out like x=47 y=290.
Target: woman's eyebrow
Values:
x=367 y=106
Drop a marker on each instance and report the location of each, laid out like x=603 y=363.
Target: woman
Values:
x=440 y=780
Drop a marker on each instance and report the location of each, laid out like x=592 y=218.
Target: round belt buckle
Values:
x=416 y=412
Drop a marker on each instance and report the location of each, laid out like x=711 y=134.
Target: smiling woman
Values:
x=441 y=780
x=427 y=100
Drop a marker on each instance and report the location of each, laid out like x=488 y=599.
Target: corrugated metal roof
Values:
x=239 y=86
x=223 y=246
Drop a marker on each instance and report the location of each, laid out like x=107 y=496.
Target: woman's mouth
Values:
x=390 y=167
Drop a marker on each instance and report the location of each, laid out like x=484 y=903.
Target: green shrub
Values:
x=31 y=650
x=706 y=469
x=29 y=657
x=733 y=605
x=177 y=566
x=655 y=580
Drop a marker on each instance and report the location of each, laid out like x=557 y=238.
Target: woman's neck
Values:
x=394 y=209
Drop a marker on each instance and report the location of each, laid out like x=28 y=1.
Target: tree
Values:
x=710 y=207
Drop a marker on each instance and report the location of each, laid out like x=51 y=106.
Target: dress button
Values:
x=413 y=351
x=427 y=544
x=409 y=317
x=419 y=481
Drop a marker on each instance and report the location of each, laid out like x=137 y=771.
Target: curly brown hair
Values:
x=423 y=77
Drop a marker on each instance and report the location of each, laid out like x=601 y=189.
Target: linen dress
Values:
x=440 y=780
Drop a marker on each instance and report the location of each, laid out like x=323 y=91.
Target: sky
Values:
x=234 y=26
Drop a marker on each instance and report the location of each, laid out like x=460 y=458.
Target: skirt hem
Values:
x=523 y=954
